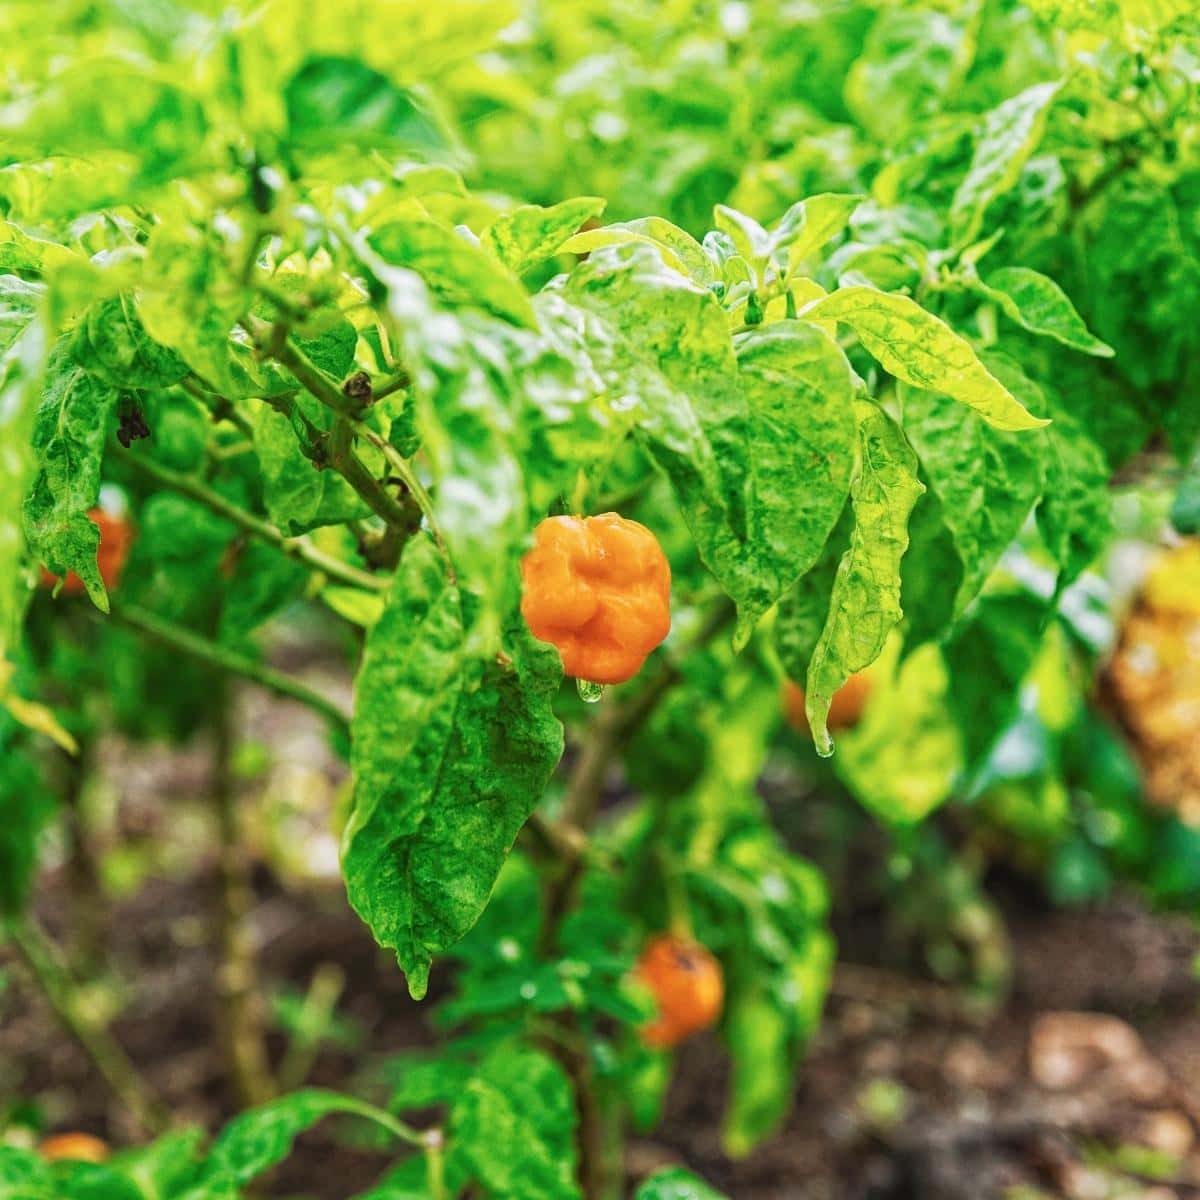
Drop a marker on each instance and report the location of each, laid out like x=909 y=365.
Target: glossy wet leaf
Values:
x=987 y=481
x=74 y=418
x=515 y=1124
x=864 y=605
x=1010 y=134
x=529 y=234
x=922 y=350
x=1038 y=304
x=676 y=1183
x=450 y=756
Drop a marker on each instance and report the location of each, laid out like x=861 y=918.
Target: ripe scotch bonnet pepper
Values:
x=845 y=709
x=598 y=588
x=115 y=540
x=74 y=1147
x=687 y=984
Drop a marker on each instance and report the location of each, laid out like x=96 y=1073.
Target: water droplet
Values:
x=589 y=692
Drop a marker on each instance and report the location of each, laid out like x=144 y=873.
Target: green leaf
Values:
x=92 y=1181
x=769 y=1021
x=107 y=103
x=931 y=572
x=986 y=480
x=528 y=235
x=1011 y=133
x=162 y=1169
x=1038 y=304
x=20 y=376
x=27 y=805
x=809 y=224
x=261 y=1138
x=24 y=1176
x=263 y=582
x=1074 y=514
x=922 y=350
x=907 y=63
x=515 y=1123
x=119 y=350
x=904 y=758
x=804 y=607
x=675 y=1183
x=189 y=300
x=749 y=238
x=663 y=343
x=18 y=303
x=450 y=757
x=1185 y=510
x=988 y=657
x=864 y=606
x=332 y=102
x=677 y=248
x=799 y=390
x=299 y=497
x=73 y=420
x=457 y=271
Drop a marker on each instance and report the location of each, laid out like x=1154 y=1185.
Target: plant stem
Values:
x=239 y=1014
x=615 y=722
x=272 y=341
x=299 y=548
x=609 y=730
x=386 y=387
x=348 y=463
x=222 y=657
x=88 y=902
x=220 y=406
x=324 y=992
x=43 y=962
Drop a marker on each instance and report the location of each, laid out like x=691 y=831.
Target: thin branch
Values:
x=272 y=340
x=240 y=1020
x=387 y=386
x=567 y=840
x=220 y=406
x=316 y=1015
x=403 y=469
x=299 y=548
x=225 y=659
x=43 y=962
x=617 y=721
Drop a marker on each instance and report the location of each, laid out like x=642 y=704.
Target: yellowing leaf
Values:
x=924 y=351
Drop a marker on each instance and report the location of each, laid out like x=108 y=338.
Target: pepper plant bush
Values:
x=858 y=311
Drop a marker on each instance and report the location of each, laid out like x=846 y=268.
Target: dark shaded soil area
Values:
x=1086 y=1083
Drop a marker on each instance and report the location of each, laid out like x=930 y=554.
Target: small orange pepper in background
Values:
x=115 y=540
x=687 y=984
x=598 y=588
x=74 y=1147
x=845 y=710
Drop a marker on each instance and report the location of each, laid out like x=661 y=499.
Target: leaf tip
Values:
x=418 y=979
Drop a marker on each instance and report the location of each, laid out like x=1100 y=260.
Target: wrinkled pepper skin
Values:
x=845 y=710
x=598 y=588
x=115 y=540
x=687 y=984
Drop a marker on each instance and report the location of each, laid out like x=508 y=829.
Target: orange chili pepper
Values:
x=845 y=710
x=598 y=588
x=74 y=1147
x=115 y=539
x=687 y=984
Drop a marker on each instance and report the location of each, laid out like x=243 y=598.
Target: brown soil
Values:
x=905 y=1093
